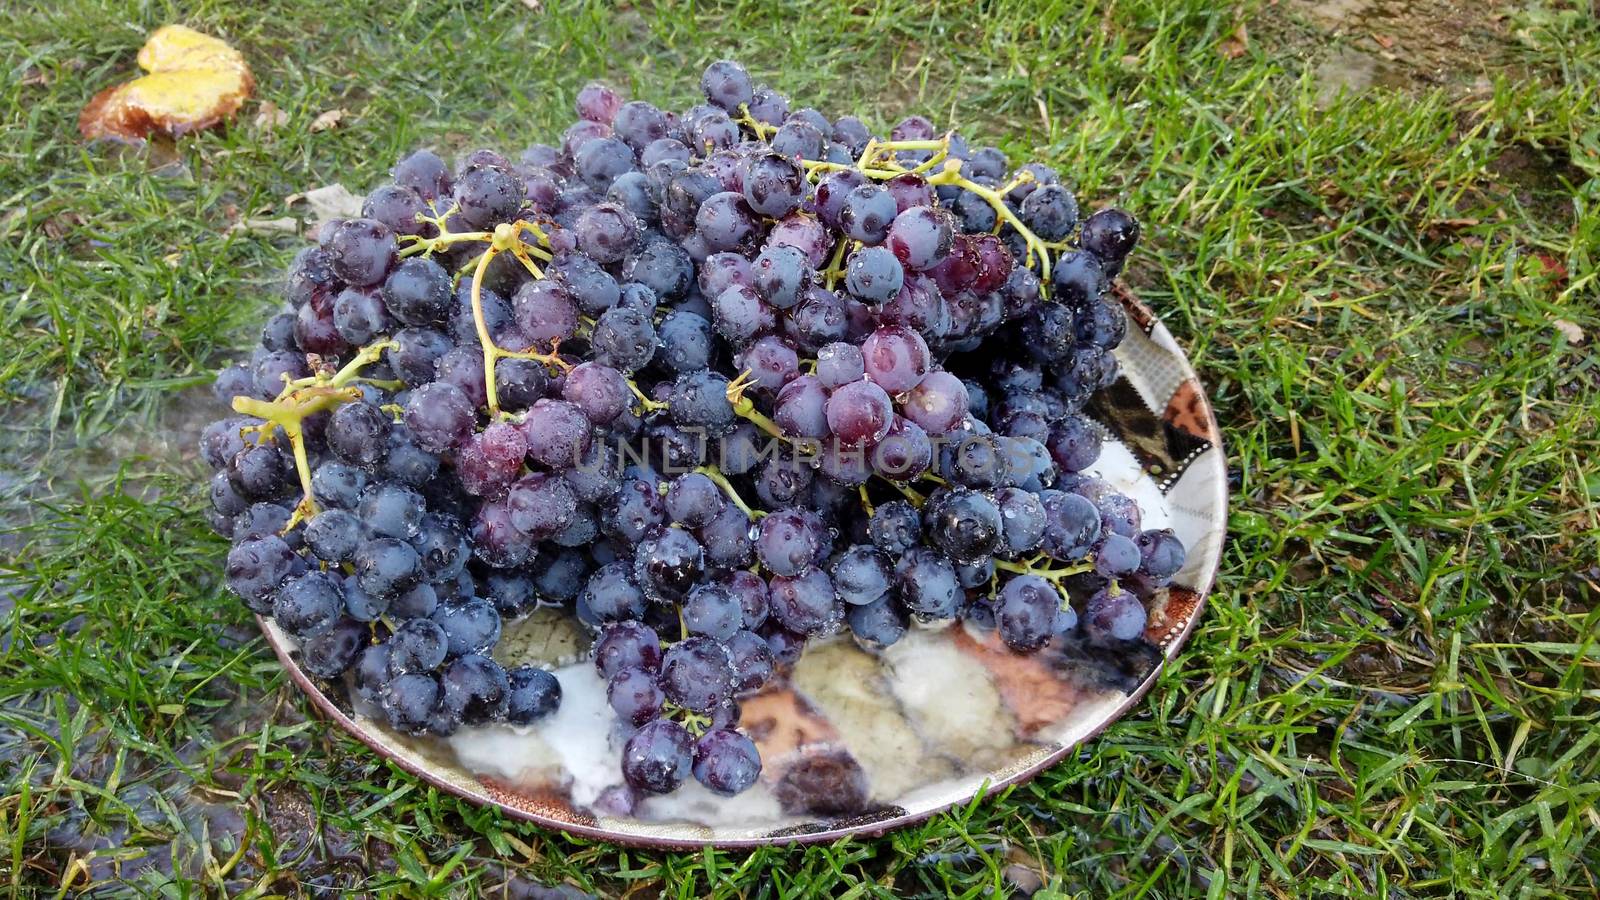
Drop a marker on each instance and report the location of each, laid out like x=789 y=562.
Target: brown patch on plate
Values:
x=822 y=781
x=1190 y=414
x=1162 y=447
x=1029 y=687
x=1138 y=312
x=1169 y=617
x=547 y=802
x=781 y=722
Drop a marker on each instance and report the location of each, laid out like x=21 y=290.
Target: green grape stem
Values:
x=746 y=408
x=506 y=240
x=1049 y=574
x=877 y=162
x=303 y=397
x=645 y=403
x=721 y=481
x=761 y=129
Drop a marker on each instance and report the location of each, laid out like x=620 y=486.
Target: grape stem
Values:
x=721 y=481
x=877 y=162
x=1027 y=568
x=645 y=403
x=761 y=129
x=951 y=175
x=506 y=239
x=692 y=722
x=835 y=269
x=303 y=397
x=746 y=408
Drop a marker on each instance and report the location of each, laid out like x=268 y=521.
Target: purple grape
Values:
x=439 y=415
x=1025 y=613
x=696 y=674
x=1114 y=617
x=634 y=696
x=789 y=541
x=658 y=757
x=726 y=762
x=895 y=358
x=859 y=413
x=805 y=603
x=598 y=103
x=361 y=251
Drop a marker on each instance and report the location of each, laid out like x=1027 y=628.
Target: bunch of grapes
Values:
x=717 y=383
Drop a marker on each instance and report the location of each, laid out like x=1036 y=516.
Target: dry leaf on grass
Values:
x=195 y=81
x=1235 y=46
x=329 y=119
x=282 y=224
x=269 y=116
x=1571 y=330
x=331 y=201
x=534 y=5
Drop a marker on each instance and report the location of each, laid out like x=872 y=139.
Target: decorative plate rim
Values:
x=376 y=740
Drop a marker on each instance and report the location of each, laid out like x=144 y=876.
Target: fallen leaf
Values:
x=269 y=116
x=534 y=5
x=332 y=201
x=283 y=224
x=195 y=82
x=327 y=120
x=1383 y=41
x=1439 y=229
x=1570 y=330
x=1236 y=45
x=57 y=227
x=1552 y=266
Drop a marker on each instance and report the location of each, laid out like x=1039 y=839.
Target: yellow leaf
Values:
x=195 y=81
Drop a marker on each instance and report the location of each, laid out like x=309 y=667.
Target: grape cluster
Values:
x=718 y=383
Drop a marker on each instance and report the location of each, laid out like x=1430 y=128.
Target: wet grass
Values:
x=1393 y=691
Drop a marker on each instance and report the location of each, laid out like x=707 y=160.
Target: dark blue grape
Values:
x=861 y=575
x=658 y=757
x=805 y=603
x=927 y=584
x=255 y=569
x=410 y=701
x=726 y=762
x=329 y=654
x=475 y=690
x=1025 y=613
x=696 y=674
x=533 y=694
x=418 y=645
x=668 y=564
x=470 y=627
x=634 y=696
x=387 y=567
x=627 y=644
x=895 y=527
x=877 y=624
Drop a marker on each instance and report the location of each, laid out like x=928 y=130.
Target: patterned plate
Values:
x=855 y=742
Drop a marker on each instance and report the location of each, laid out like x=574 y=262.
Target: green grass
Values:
x=1393 y=691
